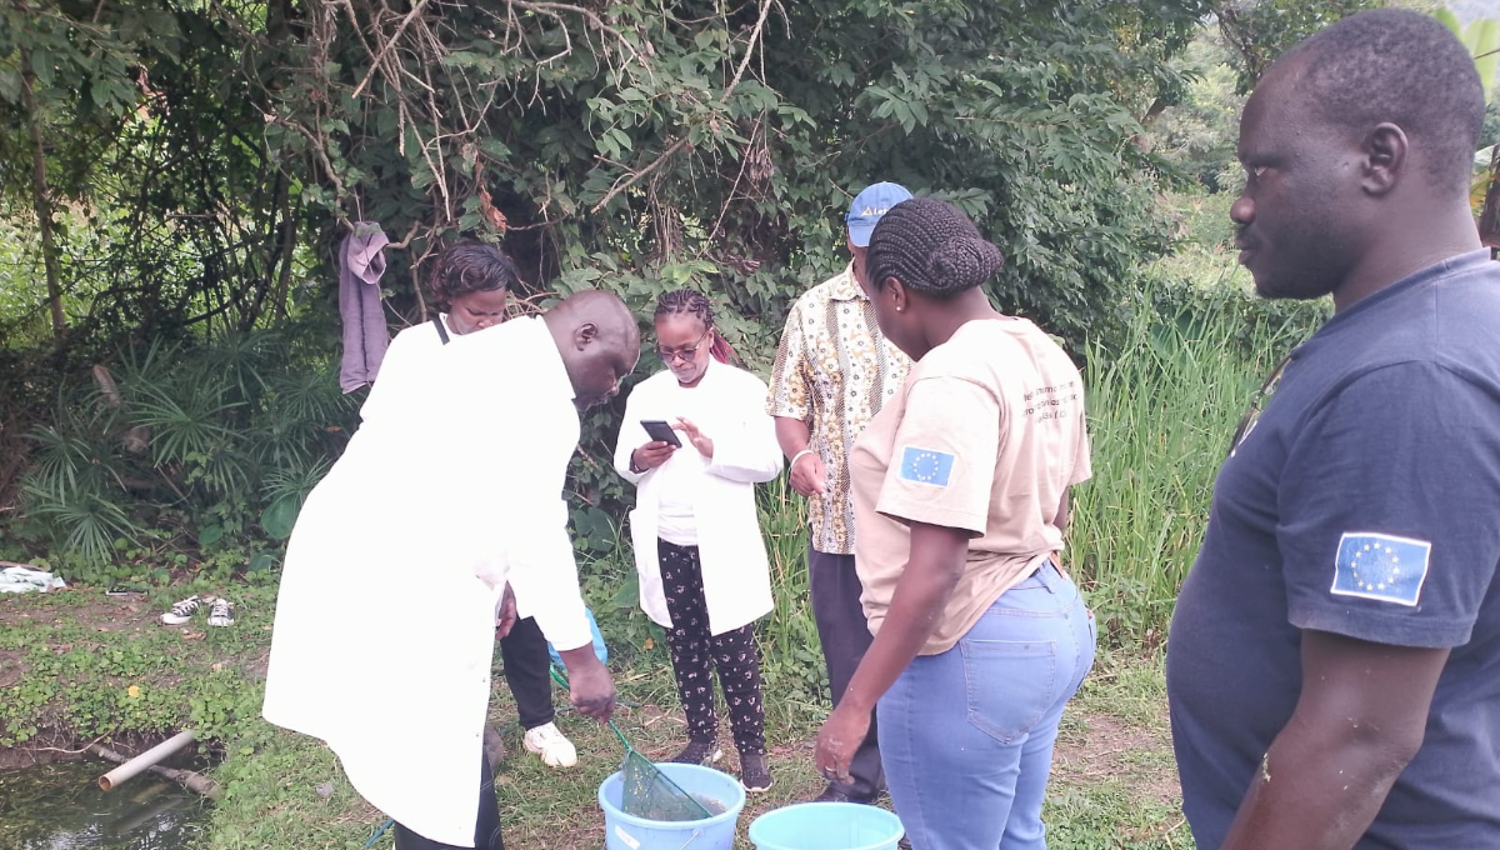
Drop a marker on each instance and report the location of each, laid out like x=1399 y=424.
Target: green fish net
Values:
x=647 y=792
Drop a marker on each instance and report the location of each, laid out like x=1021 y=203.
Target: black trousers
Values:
x=696 y=654
x=486 y=827
x=524 y=652
x=845 y=635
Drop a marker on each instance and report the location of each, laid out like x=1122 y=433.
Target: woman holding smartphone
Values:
x=698 y=549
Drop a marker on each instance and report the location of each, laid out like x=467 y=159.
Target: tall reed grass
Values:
x=1161 y=415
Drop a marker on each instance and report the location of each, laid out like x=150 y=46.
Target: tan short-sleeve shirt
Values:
x=985 y=436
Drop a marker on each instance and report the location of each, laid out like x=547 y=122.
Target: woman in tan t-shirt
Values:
x=960 y=497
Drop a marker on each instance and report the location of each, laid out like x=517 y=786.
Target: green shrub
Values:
x=194 y=452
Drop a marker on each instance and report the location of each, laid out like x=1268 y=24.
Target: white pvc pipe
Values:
x=122 y=773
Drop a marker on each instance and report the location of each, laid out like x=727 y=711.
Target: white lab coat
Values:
x=405 y=366
x=736 y=572
x=385 y=619
x=408 y=364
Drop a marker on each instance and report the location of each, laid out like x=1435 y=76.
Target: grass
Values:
x=1114 y=785
x=82 y=663
x=1113 y=782
x=1161 y=416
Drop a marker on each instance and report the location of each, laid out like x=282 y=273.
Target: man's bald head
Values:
x=599 y=342
x=1402 y=67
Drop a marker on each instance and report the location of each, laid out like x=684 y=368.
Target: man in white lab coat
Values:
x=396 y=576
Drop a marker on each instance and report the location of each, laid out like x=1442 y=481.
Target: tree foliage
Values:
x=206 y=156
x=1199 y=135
x=1259 y=31
x=179 y=447
x=201 y=143
x=717 y=144
x=167 y=211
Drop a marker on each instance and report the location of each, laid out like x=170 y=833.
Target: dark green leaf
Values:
x=210 y=535
x=278 y=519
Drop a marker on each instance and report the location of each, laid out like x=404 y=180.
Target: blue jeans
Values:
x=966 y=736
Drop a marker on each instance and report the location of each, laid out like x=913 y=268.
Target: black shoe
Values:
x=753 y=773
x=699 y=752
x=834 y=793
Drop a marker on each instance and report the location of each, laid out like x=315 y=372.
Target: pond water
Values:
x=60 y=806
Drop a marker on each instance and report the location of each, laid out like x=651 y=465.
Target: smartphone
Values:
x=661 y=430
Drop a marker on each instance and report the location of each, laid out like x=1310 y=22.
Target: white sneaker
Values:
x=221 y=614
x=182 y=611
x=551 y=745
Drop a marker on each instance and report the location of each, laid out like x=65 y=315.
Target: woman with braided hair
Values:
x=961 y=496
x=703 y=569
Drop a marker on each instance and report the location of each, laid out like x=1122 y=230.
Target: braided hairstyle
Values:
x=691 y=302
x=471 y=266
x=932 y=248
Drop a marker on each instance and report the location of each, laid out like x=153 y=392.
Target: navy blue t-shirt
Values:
x=1364 y=502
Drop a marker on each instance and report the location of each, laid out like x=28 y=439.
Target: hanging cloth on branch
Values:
x=361 y=264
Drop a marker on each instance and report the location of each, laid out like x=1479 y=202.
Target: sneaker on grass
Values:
x=551 y=745
x=221 y=614
x=699 y=752
x=182 y=611
x=754 y=774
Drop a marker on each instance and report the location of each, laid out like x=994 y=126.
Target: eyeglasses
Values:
x=686 y=354
x=1252 y=414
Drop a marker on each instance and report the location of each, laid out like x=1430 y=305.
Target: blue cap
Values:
x=867 y=208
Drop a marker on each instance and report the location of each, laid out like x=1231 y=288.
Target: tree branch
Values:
x=624 y=182
x=415 y=11
x=765 y=11
x=40 y=197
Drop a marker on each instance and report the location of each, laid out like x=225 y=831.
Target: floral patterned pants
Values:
x=696 y=654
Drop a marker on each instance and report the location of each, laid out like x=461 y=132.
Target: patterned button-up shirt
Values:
x=834 y=371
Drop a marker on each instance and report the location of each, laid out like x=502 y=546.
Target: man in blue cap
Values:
x=833 y=373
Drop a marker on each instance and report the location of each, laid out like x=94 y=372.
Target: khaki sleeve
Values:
x=942 y=467
x=1083 y=463
x=791 y=377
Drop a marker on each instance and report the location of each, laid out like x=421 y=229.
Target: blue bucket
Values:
x=623 y=831
x=827 y=825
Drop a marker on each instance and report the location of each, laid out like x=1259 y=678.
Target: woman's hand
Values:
x=651 y=454
x=841 y=736
x=703 y=443
x=933 y=569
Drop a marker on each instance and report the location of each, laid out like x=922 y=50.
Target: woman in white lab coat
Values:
x=698 y=549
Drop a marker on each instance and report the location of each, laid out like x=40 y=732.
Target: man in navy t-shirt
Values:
x=1334 y=663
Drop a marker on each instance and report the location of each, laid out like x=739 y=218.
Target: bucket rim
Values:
x=844 y=808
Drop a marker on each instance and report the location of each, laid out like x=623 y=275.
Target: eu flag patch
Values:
x=926 y=466
x=1381 y=567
